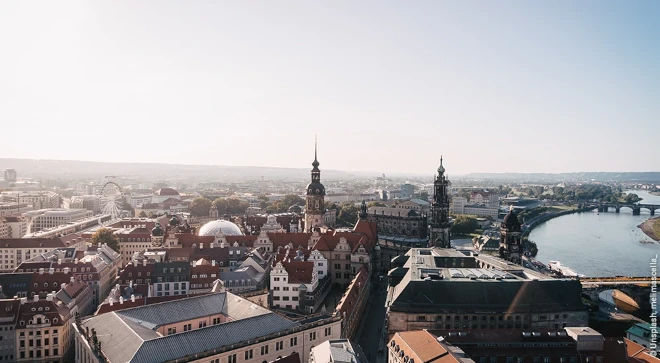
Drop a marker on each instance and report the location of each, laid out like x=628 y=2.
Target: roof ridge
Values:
x=173 y=301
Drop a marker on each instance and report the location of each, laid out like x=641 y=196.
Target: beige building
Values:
x=42 y=219
x=37 y=199
x=218 y=327
x=15 y=251
x=16 y=227
x=43 y=331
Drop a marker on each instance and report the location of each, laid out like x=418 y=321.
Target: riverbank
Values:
x=651 y=227
x=546 y=217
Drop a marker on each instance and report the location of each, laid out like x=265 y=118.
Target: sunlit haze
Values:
x=555 y=86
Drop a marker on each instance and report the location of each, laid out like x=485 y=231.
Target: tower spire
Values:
x=316 y=163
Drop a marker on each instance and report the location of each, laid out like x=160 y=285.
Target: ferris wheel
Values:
x=112 y=199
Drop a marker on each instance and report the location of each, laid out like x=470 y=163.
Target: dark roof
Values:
x=498 y=296
x=13 y=283
x=32 y=243
x=511 y=220
x=292 y=358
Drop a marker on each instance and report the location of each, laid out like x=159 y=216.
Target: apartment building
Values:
x=15 y=251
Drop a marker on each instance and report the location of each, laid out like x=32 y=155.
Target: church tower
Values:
x=315 y=206
x=363 y=215
x=439 y=225
x=510 y=238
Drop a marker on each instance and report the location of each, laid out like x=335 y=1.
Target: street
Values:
x=370 y=332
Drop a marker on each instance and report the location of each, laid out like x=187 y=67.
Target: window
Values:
x=248 y=354
x=231 y=358
x=293 y=341
x=328 y=331
x=279 y=345
x=187 y=327
x=312 y=335
x=421 y=318
x=171 y=331
x=264 y=349
x=202 y=324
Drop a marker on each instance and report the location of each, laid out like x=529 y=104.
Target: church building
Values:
x=439 y=223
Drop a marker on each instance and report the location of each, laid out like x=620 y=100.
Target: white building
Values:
x=89 y=202
x=13 y=227
x=164 y=194
x=37 y=199
x=15 y=251
x=48 y=218
x=13 y=209
x=293 y=278
x=137 y=201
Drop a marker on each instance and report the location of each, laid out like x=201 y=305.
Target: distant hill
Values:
x=66 y=169
x=645 y=177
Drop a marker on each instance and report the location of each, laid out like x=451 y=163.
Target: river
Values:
x=599 y=244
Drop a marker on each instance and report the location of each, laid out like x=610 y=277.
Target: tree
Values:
x=200 y=206
x=127 y=206
x=142 y=214
x=347 y=214
x=230 y=206
x=105 y=235
x=632 y=198
x=464 y=224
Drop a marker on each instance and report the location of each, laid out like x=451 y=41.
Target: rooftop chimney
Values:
x=66 y=270
x=41 y=271
x=75 y=261
x=51 y=270
x=62 y=286
x=132 y=297
x=59 y=261
x=144 y=262
x=111 y=300
x=49 y=297
x=23 y=300
x=72 y=279
x=36 y=298
x=211 y=244
x=121 y=300
x=212 y=262
x=201 y=245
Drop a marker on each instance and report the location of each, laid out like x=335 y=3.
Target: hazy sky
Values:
x=495 y=86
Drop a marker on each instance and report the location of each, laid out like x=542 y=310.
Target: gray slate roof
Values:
x=152 y=316
x=206 y=339
x=505 y=296
x=130 y=335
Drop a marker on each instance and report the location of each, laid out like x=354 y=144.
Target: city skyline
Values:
x=506 y=87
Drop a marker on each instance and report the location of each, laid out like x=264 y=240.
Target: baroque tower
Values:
x=439 y=225
x=315 y=207
x=510 y=238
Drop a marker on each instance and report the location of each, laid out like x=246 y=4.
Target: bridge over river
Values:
x=636 y=208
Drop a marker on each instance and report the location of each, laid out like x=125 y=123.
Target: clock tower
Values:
x=439 y=225
x=315 y=206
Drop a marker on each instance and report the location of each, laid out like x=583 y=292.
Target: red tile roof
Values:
x=165 y=192
x=300 y=272
x=352 y=294
x=283 y=239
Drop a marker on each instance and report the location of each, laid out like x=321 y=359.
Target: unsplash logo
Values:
x=654 y=306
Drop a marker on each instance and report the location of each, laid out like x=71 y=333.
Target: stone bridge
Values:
x=636 y=208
